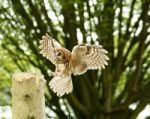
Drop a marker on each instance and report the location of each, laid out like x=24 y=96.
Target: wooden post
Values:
x=28 y=96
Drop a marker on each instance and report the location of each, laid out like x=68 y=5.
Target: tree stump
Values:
x=28 y=96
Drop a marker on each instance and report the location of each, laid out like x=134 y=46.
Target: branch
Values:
x=70 y=25
x=50 y=23
x=18 y=7
x=120 y=20
x=127 y=33
x=77 y=105
x=37 y=16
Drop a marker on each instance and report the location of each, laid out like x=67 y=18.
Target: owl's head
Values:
x=59 y=54
x=62 y=56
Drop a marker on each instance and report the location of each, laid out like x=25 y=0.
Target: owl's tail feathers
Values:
x=61 y=85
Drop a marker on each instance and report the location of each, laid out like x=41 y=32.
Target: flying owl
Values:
x=82 y=58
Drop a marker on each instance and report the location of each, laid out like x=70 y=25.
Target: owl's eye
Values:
x=58 y=53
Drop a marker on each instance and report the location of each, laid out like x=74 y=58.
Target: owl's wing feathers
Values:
x=47 y=46
x=93 y=57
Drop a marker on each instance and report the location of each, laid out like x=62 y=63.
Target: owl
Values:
x=76 y=62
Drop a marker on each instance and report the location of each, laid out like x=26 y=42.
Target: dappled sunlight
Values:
x=121 y=27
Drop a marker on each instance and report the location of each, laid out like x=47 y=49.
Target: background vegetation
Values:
x=121 y=26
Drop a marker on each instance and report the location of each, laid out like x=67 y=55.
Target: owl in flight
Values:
x=82 y=58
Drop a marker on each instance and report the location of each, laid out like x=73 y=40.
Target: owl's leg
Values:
x=66 y=70
x=56 y=73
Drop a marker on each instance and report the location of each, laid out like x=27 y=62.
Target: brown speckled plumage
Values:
x=82 y=58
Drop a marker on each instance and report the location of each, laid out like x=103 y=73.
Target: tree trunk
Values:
x=28 y=96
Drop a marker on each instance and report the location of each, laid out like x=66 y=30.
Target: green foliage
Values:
x=122 y=27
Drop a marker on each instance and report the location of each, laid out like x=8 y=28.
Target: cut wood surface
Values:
x=28 y=96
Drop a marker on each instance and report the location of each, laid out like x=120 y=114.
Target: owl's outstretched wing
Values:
x=88 y=57
x=48 y=46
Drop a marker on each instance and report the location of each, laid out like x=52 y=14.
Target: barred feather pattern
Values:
x=96 y=58
x=61 y=85
x=81 y=59
x=88 y=57
x=48 y=46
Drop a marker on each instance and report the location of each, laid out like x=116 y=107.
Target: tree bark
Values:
x=28 y=96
